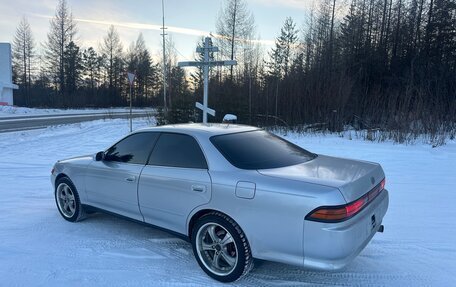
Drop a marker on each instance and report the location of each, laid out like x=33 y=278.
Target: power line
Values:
x=175 y=49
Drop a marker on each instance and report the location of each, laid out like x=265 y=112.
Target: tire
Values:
x=221 y=247
x=67 y=200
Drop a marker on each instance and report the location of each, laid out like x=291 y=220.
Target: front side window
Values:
x=259 y=150
x=132 y=149
x=177 y=150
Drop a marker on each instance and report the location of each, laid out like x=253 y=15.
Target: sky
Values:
x=187 y=21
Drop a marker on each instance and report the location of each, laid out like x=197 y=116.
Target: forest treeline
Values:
x=370 y=64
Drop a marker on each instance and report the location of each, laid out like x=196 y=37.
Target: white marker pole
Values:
x=131 y=78
x=206 y=76
x=131 y=124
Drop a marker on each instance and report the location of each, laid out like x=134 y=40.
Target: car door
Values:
x=112 y=183
x=174 y=182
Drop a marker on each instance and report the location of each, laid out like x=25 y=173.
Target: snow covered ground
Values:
x=39 y=248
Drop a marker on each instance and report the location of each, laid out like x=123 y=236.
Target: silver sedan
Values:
x=235 y=192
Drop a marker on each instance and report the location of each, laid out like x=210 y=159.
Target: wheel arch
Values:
x=79 y=189
x=61 y=175
x=242 y=245
x=200 y=213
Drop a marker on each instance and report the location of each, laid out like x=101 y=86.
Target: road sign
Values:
x=206 y=64
x=131 y=77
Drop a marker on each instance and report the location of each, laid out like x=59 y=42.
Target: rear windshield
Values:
x=259 y=150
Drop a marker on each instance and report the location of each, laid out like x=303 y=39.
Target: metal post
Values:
x=206 y=76
x=164 y=59
x=131 y=128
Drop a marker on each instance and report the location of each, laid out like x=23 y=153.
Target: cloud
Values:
x=298 y=4
x=169 y=29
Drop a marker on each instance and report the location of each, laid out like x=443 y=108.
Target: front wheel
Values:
x=67 y=200
x=221 y=248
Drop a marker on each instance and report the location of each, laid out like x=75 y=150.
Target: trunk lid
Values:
x=353 y=178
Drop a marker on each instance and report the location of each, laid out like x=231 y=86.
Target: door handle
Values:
x=199 y=188
x=131 y=179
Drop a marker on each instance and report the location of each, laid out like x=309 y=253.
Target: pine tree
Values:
x=73 y=67
x=283 y=52
x=144 y=70
x=62 y=32
x=92 y=64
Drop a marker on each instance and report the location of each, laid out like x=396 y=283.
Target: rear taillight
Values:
x=343 y=212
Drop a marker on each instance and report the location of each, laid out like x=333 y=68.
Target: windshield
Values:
x=259 y=150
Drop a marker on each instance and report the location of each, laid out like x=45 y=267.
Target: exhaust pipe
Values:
x=381 y=228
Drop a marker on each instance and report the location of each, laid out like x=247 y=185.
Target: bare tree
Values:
x=23 y=53
x=235 y=26
x=111 y=47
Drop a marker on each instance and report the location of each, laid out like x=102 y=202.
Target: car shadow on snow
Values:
x=142 y=245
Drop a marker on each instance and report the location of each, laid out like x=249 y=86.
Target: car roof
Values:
x=208 y=130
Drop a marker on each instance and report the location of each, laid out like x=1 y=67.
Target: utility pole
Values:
x=206 y=63
x=165 y=106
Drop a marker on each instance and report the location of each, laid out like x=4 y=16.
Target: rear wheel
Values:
x=67 y=200
x=221 y=248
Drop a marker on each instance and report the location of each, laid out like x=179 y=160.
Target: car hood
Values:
x=83 y=158
x=352 y=177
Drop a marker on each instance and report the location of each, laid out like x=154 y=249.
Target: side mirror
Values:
x=229 y=118
x=100 y=156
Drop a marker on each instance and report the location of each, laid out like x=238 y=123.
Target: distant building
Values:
x=6 y=71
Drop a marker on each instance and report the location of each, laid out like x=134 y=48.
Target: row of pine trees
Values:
x=375 y=64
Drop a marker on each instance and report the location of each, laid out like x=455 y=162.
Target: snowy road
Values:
x=39 y=248
x=19 y=123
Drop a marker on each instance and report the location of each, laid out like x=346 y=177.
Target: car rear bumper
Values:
x=331 y=246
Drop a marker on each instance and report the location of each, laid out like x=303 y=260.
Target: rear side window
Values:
x=132 y=149
x=177 y=150
x=259 y=150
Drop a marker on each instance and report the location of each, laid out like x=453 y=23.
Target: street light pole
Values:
x=164 y=59
x=206 y=75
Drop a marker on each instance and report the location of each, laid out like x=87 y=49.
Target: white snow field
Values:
x=39 y=248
